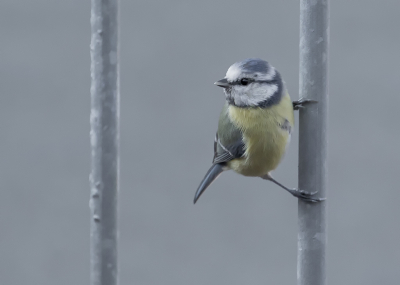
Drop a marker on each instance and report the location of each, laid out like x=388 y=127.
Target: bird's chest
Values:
x=265 y=140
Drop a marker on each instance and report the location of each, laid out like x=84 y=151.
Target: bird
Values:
x=255 y=125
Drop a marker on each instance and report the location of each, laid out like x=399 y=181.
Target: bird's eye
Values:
x=244 y=81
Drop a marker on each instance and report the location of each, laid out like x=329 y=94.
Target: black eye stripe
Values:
x=268 y=81
x=250 y=80
x=244 y=81
x=239 y=81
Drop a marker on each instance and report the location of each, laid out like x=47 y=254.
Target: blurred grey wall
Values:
x=243 y=230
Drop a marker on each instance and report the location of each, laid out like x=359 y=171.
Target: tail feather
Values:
x=209 y=178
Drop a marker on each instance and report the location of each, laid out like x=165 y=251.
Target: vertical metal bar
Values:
x=314 y=40
x=104 y=137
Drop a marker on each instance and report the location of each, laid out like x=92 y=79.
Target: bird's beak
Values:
x=223 y=83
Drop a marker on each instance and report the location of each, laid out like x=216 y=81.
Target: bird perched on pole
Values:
x=255 y=124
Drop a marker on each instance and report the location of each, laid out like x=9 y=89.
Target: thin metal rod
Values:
x=314 y=41
x=104 y=137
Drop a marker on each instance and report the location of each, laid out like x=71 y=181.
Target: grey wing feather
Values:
x=227 y=153
x=228 y=143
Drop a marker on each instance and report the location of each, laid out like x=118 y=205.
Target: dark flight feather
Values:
x=227 y=153
x=212 y=174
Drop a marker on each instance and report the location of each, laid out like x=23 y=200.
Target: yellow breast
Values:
x=264 y=136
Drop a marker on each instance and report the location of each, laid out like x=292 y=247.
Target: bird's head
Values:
x=252 y=83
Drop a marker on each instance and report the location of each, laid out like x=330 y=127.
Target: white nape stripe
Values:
x=269 y=76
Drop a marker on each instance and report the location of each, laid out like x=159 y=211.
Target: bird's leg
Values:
x=301 y=103
x=301 y=194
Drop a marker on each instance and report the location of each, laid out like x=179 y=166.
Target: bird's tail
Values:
x=209 y=178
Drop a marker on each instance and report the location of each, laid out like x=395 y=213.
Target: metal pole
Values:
x=314 y=40
x=104 y=137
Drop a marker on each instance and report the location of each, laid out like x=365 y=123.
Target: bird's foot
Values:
x=301 y=103
x=305 y=195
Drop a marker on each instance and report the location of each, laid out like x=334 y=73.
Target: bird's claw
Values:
x=305 y=195
x=300 y=104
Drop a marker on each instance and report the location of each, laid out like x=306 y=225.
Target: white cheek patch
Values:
x=233 y=72
x=253 y=95
x=265 y=91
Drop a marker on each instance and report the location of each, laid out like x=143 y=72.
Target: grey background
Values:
x=243 y=230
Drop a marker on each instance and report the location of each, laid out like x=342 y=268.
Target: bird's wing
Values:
x=227 y=153
x=228 y=143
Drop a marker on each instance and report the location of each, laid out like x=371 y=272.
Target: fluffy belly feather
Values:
x=264 y=137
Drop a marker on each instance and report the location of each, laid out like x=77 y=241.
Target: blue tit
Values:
x=254 y=126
